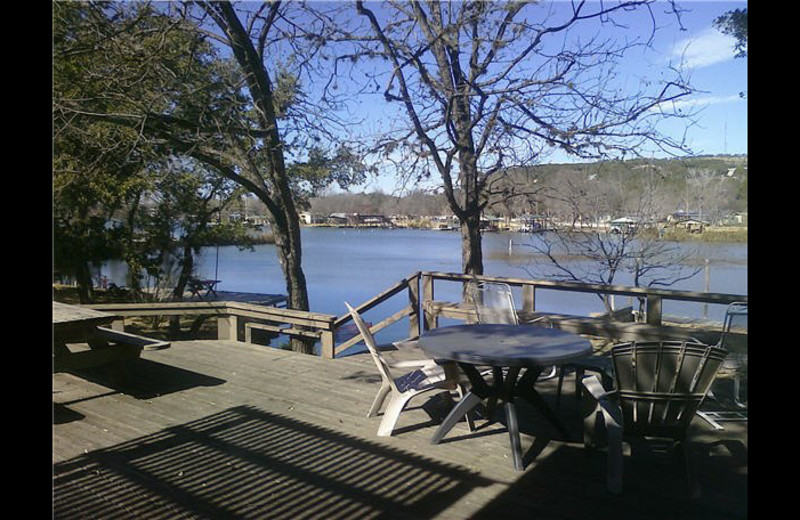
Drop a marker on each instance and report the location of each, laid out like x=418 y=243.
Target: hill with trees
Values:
x=712 y=187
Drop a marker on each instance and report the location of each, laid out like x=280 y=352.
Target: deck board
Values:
x=210 y=429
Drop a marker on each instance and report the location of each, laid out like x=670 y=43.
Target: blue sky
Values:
x=706 y=57
x=718 y=77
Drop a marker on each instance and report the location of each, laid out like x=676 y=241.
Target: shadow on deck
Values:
x=246 y=462
x=210 y=429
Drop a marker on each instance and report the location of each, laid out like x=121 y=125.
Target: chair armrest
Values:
x=413 y=363
x=599 y=405
x=132 y=339
x=596 y=389
x=541 y=320
x=411 y=347
x=597 y=398
x=406 y=343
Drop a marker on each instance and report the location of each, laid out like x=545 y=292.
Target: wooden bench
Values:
x=80 y=340
x=277 y=329
x=116 y=346
x=126 y=338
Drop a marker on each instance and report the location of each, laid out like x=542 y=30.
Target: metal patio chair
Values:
x=659 y=387
x=427 y=377
x=494 y=304
x=727 y=398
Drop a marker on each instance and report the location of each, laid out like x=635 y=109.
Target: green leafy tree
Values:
x=210 y=81
x=103 y=169
x=312 y=176
x=189 y=199
x=97 y=165
x=734 y=23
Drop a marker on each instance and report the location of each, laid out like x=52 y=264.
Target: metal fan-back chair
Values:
x=494 y=304
x=427 y=377
x=728 y=398
x=659 y=387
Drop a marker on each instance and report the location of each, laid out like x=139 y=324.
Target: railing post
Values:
x=327 y=344
x=653 y=309
x=429 y=321
x=227 y=327
x=413 y=299
x=528 y=298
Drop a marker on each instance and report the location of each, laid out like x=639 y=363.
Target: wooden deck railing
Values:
x=652 y=328
x=652 y=297
x=423 y=311
x=412 y=311
x=230 y=315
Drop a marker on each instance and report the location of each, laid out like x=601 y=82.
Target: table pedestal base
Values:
x=506 y=389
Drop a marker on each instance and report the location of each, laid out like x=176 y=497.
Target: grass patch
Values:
x=709 y=234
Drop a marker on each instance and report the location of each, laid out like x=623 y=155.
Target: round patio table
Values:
x=511 y=347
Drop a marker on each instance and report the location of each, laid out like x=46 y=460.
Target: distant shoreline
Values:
x=729 y=234
x=732 y=234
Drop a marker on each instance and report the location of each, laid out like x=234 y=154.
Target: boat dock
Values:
x=273 y=300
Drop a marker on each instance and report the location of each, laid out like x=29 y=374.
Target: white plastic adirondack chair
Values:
x=428 y=377
x=659 y=387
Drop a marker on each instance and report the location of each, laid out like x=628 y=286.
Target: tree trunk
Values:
x=287 y=245
x=187 y=266
x=278 y=198
x=471 y=246
x=83 y=278
x=290 y=260
x=470 y=217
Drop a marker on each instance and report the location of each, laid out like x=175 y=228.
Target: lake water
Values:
x=353 y=265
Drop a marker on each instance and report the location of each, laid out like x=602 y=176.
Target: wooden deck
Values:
x=216 y=429
x=275 y=300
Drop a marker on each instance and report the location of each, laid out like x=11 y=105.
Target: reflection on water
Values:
x=355 y=265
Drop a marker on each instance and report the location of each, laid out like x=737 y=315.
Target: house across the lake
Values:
x=358 y=220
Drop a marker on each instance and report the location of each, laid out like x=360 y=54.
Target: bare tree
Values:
x=593 y=254
x=488 y=85
x=704 y=191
